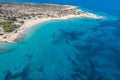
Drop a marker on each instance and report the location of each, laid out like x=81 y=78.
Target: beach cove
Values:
x=15 y=35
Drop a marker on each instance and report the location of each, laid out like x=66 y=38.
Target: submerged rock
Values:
x=5 y=50
x=23 y=75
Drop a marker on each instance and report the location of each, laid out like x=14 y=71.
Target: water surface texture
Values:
x=73 y=49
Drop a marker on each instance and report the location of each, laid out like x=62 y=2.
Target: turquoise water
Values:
x=73 y=49
x=64 y=50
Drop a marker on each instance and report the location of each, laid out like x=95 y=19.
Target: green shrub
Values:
x=8 y=27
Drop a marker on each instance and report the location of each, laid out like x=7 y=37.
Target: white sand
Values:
x=16 y=35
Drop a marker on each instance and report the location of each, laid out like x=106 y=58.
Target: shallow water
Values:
x=73 y=49
x=64 y=50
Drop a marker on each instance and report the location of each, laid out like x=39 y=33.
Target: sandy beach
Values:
x=18 y=33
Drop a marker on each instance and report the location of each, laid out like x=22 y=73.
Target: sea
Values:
x=72 y=49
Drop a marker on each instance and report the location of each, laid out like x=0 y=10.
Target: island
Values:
x=15 y=18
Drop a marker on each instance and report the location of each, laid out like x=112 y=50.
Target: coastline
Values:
x=16 y=35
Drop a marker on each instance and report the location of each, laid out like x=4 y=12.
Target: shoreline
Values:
x=16 y=35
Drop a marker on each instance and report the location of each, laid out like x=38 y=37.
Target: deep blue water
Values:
x=73 y=49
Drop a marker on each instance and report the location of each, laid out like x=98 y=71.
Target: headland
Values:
x=16 y=18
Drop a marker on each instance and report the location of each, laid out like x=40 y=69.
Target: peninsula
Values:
x=16 y=18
